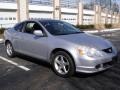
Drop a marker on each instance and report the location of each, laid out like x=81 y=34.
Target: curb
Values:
x=105 y=30
x=1 y=41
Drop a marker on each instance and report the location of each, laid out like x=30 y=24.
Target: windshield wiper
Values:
x=69 y=33
x=77 y=32
x=62 y=34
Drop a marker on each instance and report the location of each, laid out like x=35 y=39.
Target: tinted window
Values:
x=19 y=27
x=59 y=27
x=31 y=26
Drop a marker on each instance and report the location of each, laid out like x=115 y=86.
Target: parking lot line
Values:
x=14 y=63
x=1 y=40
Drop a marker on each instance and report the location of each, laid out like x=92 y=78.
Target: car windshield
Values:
x=59 y=28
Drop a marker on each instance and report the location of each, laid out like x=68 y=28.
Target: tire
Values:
x=9 y=50
x=63 y=64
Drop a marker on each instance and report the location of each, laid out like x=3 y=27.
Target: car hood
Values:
x=87 y=40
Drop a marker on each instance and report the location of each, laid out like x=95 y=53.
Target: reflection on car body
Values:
x=65 y=47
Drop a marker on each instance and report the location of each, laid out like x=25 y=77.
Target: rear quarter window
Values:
x=19 y=27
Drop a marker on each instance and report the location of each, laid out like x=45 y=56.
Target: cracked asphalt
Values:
x=41 y=77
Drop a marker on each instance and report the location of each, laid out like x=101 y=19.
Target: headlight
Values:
x=90 y=52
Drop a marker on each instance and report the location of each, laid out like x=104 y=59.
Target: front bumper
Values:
x=101 y=66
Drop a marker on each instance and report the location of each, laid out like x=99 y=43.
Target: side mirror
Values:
x=38 y=33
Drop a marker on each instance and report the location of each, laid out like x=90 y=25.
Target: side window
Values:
x=19 y=27
x=31 y=26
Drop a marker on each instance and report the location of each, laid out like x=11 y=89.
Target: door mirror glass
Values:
x=38 y=33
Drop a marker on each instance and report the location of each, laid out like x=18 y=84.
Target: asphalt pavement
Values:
x=26 y=73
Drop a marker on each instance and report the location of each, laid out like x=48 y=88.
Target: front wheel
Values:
x=9 y=49
x=63 y=64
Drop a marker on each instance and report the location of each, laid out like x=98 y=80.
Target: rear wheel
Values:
x=63 y=64
x=9 y=50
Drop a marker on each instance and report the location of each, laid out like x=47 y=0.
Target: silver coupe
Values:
x=65 y=47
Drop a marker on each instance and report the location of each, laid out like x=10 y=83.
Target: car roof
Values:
x=42 y=20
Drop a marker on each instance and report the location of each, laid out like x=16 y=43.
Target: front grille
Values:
x=108 y=50
x=108 y=64
x=111 y=63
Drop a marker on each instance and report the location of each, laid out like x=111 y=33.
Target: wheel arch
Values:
x=60 y=49
x=6 y=41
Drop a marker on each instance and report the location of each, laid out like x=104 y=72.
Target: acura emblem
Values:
x=110 y=50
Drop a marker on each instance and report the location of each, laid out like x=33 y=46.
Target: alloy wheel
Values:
x=61 y=64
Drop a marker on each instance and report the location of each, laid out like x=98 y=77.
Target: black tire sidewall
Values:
x=70 y=60
x=13 y=52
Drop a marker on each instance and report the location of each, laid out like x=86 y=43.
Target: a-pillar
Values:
x=56 y=9
x=80 y=14
x=22 y=11
x=97 y=17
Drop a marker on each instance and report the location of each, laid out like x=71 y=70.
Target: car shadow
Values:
x=86 y=75
x=47 y=65
x=34 y=60
x=119 y=57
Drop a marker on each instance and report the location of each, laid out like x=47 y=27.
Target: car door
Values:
x=17 y=36
x=34 y=45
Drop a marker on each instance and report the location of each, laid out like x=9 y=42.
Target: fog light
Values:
x=98 y=66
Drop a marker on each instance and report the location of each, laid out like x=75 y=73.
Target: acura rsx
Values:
x=66 y=48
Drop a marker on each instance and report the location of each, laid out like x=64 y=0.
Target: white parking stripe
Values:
x=14 y=63
x=1 y=40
